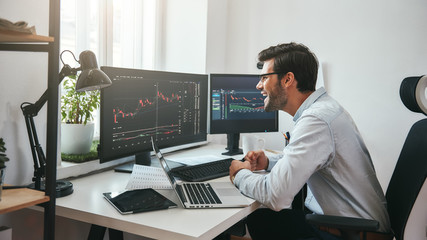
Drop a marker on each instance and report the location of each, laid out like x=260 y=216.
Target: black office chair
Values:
x=408 y=177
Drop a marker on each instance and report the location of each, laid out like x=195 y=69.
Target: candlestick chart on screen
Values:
x=163 y=109
x=238 y=104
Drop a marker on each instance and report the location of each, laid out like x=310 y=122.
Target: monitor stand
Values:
x=233 y=144
x=143 y=158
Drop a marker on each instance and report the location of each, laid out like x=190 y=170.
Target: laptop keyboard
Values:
x=201 y=193
x=203 y=172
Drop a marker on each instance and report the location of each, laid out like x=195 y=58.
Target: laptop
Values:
x=203 y=194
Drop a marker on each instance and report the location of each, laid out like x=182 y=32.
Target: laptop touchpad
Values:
x=227 y=192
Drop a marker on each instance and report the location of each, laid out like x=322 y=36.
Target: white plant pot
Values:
x=76 y=138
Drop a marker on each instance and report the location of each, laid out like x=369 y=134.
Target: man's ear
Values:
x=288 y=79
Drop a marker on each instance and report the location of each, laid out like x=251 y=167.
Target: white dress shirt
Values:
x=327 y=152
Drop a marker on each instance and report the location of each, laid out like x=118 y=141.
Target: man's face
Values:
x=271 y=88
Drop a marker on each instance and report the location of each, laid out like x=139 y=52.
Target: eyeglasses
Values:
x=263 y=77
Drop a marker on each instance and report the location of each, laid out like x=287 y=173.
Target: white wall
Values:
x=23 y=78
x=184 y=36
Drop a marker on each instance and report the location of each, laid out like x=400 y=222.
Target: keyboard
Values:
x=204 y=171
x=201 y=193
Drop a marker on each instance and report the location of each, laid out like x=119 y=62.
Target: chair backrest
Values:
x=408 y=177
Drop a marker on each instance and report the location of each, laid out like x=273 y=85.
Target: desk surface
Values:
x=88 y=205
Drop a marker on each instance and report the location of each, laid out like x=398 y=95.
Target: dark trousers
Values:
x=287 y=224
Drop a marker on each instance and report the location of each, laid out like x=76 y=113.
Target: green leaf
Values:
x=3 y=157
x=78 y=107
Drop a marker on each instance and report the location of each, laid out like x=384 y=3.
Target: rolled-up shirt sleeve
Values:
x=310 y=148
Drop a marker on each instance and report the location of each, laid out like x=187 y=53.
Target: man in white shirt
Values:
x=325 y=151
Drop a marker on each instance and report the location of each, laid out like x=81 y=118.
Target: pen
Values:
x=287 y=137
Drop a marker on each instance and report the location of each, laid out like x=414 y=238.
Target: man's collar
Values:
x=308 y=102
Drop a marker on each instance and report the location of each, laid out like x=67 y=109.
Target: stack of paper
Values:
x=148 y=177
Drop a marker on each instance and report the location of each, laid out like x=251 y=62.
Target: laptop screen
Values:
x=163 y=162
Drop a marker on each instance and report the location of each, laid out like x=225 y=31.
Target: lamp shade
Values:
x=91 y=77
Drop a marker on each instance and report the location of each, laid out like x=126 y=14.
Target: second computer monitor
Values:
x=238 y=107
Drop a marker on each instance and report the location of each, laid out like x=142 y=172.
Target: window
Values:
x=120 y=33
x=129 y=34
x=133 y=33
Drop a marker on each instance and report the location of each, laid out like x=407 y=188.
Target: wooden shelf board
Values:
x=15 y=199
x=13 y=37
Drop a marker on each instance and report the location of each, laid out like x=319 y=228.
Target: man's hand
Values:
x=257 y=159
x=254 y=160
x=237 y=165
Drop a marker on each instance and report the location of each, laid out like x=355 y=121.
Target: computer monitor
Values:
x=238 y=107
x=168 y=106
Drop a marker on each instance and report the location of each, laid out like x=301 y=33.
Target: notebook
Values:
x=203 y=194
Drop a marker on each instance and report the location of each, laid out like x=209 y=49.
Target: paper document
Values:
x=197 y=160
x=148 y=177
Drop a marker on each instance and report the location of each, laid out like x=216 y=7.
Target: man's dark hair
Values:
x=295 y=58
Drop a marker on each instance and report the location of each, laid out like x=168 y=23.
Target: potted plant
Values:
x=3 y=160
x=77 y=113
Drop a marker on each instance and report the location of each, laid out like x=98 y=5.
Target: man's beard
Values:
x=276 y=102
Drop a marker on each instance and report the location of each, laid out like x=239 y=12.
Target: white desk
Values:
x=87 y=204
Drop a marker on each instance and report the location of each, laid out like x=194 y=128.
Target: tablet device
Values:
x=140 y=200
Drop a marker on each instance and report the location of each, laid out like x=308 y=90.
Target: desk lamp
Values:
x=90 y=78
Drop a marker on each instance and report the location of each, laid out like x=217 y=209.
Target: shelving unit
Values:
x=50 y=44
x=13 y=37
x=16 y=199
